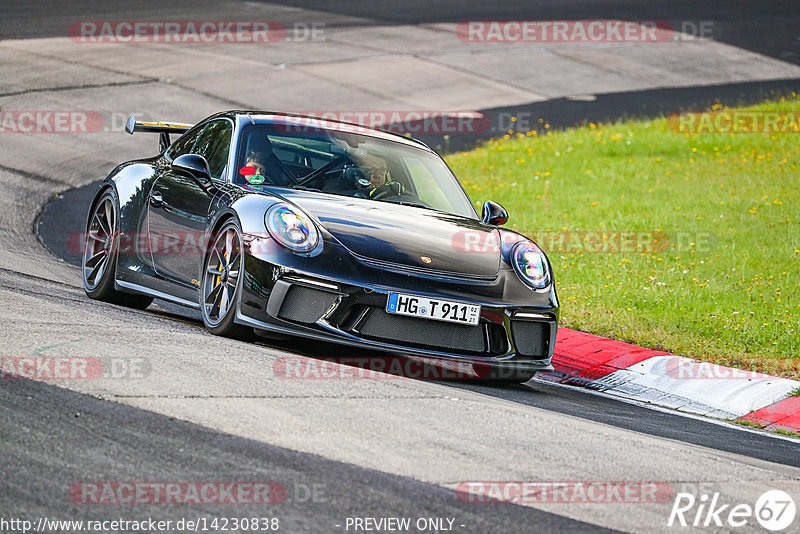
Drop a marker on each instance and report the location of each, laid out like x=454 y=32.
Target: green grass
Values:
x=710 y=265
x=745 y=422
x=787 y=433
x=751 y=424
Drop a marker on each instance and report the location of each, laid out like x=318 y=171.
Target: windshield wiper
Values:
x=305 y=188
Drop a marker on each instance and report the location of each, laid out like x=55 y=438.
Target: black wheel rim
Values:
x=221 y=276
x=99 y=242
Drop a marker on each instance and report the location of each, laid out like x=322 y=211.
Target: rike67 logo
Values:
x=774 y=510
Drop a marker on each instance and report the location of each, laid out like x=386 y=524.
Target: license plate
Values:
x=436 y=309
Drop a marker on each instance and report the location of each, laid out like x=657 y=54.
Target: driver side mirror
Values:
x=494 y=214
x=195 y=167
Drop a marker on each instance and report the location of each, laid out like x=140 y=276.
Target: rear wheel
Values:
x=222 y=281
x=100 y=251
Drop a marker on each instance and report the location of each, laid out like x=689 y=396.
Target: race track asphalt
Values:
x=212 y=409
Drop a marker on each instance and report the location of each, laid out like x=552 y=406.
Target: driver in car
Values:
x=380 y=182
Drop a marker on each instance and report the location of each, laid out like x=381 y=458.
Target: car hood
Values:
x=415 y=237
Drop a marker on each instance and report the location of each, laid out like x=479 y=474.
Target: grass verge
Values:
x=682 y=242
x=745 y=422
x=751 y=424
x=787 y=433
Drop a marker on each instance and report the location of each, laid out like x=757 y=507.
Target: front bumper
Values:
x=345 y=303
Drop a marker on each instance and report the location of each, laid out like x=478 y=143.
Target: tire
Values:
x=100 y=253
x=502 y=375
x=221 y=283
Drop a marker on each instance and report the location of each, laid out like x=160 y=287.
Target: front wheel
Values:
x=221 y=285
x=100 y=251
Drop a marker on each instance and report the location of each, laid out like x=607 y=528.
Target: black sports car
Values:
x=292 y=225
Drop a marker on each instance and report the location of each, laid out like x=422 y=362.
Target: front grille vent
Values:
x=531 y=338
x=424 y=333
x=306 y=305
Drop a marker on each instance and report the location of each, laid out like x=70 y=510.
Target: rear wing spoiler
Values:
x=163 y=128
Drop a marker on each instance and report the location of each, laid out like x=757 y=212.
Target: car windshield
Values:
x=346 y=163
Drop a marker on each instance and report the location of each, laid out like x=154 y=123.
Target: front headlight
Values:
x=291 y=228
x=530 y=264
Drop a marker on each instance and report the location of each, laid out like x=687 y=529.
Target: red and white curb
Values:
x=675 y=382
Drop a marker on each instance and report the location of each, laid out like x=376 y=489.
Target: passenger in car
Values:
x=256 y=159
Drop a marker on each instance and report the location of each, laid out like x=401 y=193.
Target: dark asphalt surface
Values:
x=53 y=438
x=769 y=28
x=65 y=216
